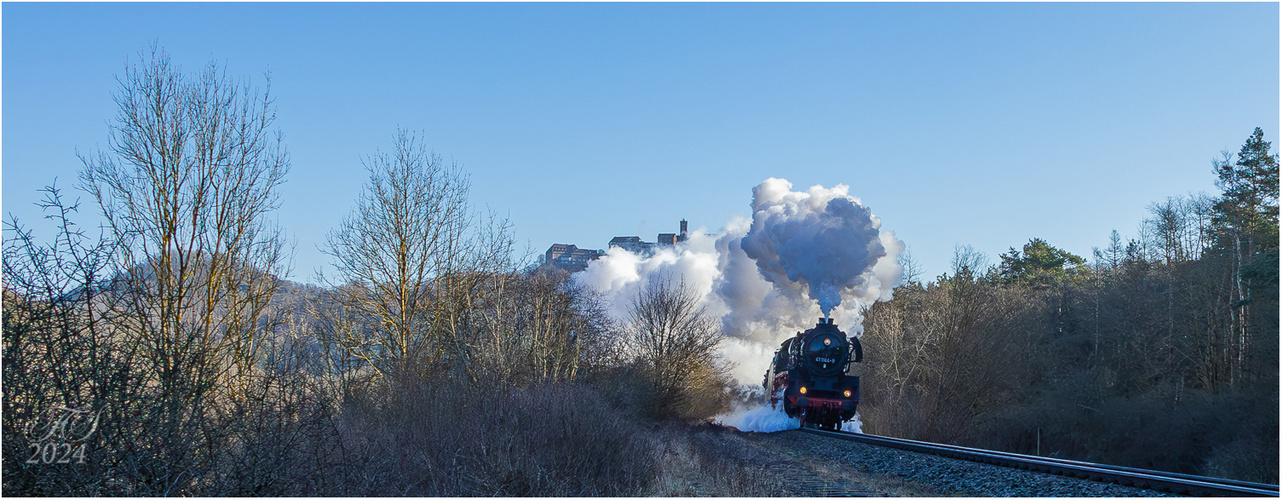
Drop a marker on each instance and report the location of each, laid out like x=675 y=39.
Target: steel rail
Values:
x=1128 y=476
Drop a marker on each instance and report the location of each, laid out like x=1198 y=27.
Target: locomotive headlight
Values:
x=803 y=389
x=827 y=341
x=847 y=393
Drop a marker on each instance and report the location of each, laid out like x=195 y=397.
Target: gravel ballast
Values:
x=930 y=474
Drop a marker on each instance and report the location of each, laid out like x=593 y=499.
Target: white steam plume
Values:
x=758 y=419
x=801 y=255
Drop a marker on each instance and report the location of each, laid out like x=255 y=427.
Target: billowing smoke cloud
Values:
x=802 y=255
x=822 y=238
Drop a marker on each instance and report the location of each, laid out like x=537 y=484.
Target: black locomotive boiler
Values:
x=810 y=376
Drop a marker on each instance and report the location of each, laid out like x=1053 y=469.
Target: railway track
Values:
x=1182 y=484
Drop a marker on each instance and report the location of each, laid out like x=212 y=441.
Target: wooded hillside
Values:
x=1159 y=352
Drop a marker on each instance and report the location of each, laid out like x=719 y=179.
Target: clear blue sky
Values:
x=980 y=124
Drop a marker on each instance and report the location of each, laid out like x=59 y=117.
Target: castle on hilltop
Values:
x=574 y=259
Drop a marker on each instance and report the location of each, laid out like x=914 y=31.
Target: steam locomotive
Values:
x=810 y=376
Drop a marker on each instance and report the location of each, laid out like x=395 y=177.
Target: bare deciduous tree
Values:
x=675 y=339
x=538 y=326
x=929 y=350
x=186 y=186
x=911 y=266
x=158 y=327
x=1179 y=227
x=59 y=349
x=409 y=257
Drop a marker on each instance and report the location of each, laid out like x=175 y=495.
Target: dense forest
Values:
x=1159 y=352
x=162 y=354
